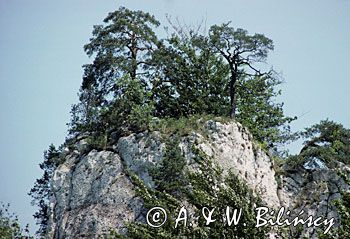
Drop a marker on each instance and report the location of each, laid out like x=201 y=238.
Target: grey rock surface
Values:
x=92 y=192
x=314 y=191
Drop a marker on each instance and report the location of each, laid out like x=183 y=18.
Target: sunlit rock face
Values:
x=91 y=195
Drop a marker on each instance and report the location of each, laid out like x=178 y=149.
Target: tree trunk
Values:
x=133 y=57
x=233 y=98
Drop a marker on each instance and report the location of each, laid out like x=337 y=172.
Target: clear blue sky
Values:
x=41 y=57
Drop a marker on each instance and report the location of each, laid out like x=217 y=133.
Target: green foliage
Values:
x=343 y=208
x=9 y=225
x=189 y=78
x=41 y=192
x=210 y=188
x=170 y=176
x=259 y=113
x=130 y=110
x=205 y=187
x=122 y=45
x=241 y=51
x=184 y=125
x=327 y=141
x=136 y=77
x=121 y=49
x=84 y=115
x=242 y=46
x=98 y=141
x=252 y=92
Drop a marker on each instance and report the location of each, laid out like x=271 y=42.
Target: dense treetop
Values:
x=136 y=76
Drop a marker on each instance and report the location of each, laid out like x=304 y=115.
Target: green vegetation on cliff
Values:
x=177 y=186
x=136 y=76
x=326 y=143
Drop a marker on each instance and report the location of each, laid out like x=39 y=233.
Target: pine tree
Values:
x=241 y=51
x=41 y=192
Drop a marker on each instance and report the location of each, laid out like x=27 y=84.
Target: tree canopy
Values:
x=135 y=76
x=240 y=50
x=326 y=143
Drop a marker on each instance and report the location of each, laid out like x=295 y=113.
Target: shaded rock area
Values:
x=92 y=192
x=314 y=191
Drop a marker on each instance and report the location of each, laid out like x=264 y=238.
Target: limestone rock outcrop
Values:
x=92 y=192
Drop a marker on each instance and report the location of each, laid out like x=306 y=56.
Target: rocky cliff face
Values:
x=93 y=193
x=314 y=190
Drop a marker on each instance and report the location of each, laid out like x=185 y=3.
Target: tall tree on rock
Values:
x=122 y=46
x=241 y=51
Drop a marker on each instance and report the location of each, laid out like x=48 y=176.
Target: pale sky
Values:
x=41 y=54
